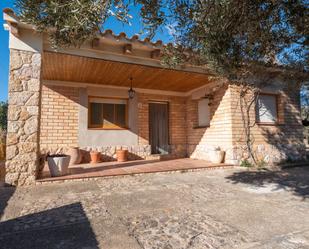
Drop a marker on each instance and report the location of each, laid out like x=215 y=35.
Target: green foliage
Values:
x=70 y=23
x=229 y=34
x=3 y=115
x=226 y=34
x=245 y=163
x=173 y=56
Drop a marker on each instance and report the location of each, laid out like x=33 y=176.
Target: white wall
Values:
x=27 y=40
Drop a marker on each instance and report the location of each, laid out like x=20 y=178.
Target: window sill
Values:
x=269 y=124
x=201 y=127
x=116 y=128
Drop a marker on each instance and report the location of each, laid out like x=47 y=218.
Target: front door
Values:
x=158 y=127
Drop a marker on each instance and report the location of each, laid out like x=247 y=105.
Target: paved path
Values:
x=208 y=209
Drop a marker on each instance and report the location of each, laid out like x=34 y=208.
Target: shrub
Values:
x=246 y=163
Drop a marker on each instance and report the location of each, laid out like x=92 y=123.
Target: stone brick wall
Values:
x=177 y=121
x=23 y=117
x=59 y=118
x=272 y=143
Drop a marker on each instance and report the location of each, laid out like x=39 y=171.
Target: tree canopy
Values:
x=226 y=34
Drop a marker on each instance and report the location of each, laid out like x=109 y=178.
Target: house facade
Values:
x=79 y=97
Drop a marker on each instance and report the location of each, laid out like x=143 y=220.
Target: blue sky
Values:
x=4 y=53
x=111 y=23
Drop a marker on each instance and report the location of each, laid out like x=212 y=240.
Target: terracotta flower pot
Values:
x=122 y=155
x=95 y=156
x=58 y=164
x=75 y=155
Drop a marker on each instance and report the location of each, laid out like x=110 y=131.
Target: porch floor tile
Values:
x=106 y=169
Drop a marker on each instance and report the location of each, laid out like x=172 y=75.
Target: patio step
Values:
x=153 y=157
x=85 y=172
x=160 y=157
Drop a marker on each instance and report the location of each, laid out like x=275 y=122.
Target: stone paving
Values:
x=231 y=208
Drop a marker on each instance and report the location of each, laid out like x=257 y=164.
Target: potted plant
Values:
x=95 y=156
x=122 y=155
x=58 y=164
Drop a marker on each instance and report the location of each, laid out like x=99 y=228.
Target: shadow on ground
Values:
x=63 y=227
x=5 y=194
x=296 y=181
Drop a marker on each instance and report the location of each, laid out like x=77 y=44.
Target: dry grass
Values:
x=2 y=172
x=2 y=152
x=2 y=145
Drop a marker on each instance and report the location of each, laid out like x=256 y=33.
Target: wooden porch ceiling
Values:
x=65 y=67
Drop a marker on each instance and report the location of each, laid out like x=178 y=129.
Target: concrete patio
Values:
x=107 y=169
x=221 y=208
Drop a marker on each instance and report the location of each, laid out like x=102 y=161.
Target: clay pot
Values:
x=58 y=164
x=75 y=155
x=122 y=155
x=217 y=156
x=95 y=157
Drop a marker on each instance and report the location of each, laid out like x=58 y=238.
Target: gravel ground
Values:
x=232 y=208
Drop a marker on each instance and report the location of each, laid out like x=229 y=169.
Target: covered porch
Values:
x=78 y=97
x=162 y=127
x=86 y=104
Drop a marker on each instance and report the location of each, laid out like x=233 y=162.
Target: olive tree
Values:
x=227 y=34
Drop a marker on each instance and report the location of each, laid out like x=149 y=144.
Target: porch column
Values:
x=22 y=151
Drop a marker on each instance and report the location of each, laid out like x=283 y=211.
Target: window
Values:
x=107 y=113
x=266 y=109
x=203 y=112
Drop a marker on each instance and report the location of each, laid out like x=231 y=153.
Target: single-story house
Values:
x=81 y=97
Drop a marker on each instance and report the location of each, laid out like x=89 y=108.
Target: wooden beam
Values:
x=155 y=54
x=95 y=42
x=14 y=29
x=127 y=48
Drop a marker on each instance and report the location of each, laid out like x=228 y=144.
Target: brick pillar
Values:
x=22 y=157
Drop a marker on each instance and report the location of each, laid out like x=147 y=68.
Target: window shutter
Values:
x=267 y=109
x=203 y=112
